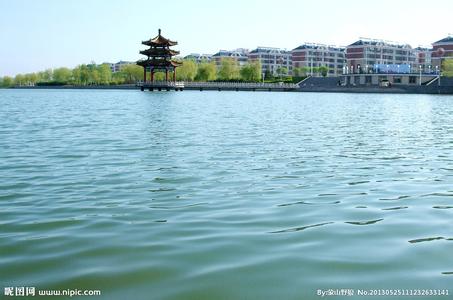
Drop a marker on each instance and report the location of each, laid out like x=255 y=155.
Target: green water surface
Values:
x=225 y=195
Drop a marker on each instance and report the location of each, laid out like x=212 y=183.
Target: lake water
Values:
x=225 y=195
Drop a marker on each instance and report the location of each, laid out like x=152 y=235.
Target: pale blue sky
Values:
x=39 y=34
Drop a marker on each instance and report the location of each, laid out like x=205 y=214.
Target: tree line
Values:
x=228 y=70
x=92 y=74
x=85 y=74
x=305 y=71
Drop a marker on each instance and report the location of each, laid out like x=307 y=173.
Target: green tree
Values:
x=130 y=73
x=323 y=70
x=301 y=71
x=251 y=71
x=94 y=76
x=84 y=75
x=206 y=72
x=297 y=72
x=76 y=73
x=117 y=78
x=19 y=80
x=33 y=78
x=93 y=73
x=7 y=81
x=45 y=76
x=105 y=74
x=229 y=69
x=160 y=76
x=447 y=67
x=30 y=79
x=282 y=71
x=62 y=75
x=187 y=71
x=268 y=75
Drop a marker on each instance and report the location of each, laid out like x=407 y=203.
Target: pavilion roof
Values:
x=159 y=52
x=159 y=40
x=158 y=63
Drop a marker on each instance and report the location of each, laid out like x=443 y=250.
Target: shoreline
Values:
x=422 y=90
x=78 y=87
x=412 y=90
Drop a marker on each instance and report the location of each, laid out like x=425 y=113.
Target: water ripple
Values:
x=174 y=194
x=358 y=182
x=309 y=203
x=438 y=195
x=443 y=207
x=395 y=208
x=364 y=222
x=427 y=239
x=177 y=206
x=395 y=199
x=301 y=228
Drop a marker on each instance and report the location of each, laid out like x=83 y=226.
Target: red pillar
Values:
x=152 y=75
x=144 y=74
x=174 y=74
x=166 y=74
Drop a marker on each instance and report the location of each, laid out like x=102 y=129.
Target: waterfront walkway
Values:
x=216 y=86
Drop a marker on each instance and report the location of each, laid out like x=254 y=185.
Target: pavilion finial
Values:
x=159 y=31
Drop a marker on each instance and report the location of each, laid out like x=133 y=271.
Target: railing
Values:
x=256 y=85
x=385 y=72
x=224 y=85
x=171 y=84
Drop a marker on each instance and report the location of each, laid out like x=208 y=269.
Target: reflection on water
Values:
x=427 y=239
x=173 y=195
x=395 y=208
x=302 y=228
x=365 y=222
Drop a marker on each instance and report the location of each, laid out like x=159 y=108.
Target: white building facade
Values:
x=272 y=59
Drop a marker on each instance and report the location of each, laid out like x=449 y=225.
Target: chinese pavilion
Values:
x=159 y=57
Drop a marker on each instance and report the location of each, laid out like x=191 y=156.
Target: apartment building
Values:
x=272 y=59
x=311 y=56
x=240 y=55
x=442 y=49
x=116 y=67
x=379 y=56
x=423 y=60
x=198 y=58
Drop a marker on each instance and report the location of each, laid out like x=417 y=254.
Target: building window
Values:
x=412 y=79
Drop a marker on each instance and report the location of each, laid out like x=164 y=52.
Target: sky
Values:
x=40 y=34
